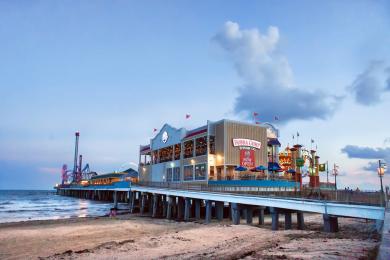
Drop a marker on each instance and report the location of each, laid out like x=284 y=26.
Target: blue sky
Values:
x=114 y=70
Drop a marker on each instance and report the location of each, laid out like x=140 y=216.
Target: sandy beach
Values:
x=135 y=237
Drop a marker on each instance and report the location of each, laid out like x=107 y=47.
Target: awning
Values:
x=273 y=166
x=273 y=141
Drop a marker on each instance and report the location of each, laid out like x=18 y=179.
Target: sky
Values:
x=115 y=70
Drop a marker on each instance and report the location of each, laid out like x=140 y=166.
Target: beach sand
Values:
x=135 y=237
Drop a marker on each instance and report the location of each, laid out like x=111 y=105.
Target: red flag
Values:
x=276 y=118
x=255 y=114
x=154 y=129
x=188 y=116
x=257 y=123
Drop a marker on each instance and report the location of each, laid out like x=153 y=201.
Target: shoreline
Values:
x=134 y=236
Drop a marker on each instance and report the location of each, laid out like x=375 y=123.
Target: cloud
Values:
x=371 y=167
x=354 y=151
x=50 y=170
x=359 y=152
x=269 y=86
x=369 y=86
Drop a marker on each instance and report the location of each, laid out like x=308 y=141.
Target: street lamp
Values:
x=381 y=171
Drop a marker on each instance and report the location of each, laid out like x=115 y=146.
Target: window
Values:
x=188 y=172
x=166 y=154
x=200 y=171
x=201 y=146
x=169 y=175
x=189 y=149
x=155 y=157
x=177 y=151
x=212 y=144
x=176 y=174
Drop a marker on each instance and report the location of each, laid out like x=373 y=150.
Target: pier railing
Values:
x=372 y=198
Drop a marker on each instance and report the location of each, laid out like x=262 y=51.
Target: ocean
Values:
x=25 y=205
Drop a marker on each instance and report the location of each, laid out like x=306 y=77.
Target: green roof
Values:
x=108 y=175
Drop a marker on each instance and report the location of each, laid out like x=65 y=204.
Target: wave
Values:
x=6 y=203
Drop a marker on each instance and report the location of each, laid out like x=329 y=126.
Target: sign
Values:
x=246 y=142
x=164 y=137
x=247 y=158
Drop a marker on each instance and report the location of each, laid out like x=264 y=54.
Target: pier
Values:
x=187 y=202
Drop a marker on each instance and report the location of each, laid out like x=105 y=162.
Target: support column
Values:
x=164 y=206
x=275 y=218
x=180 y=207
x=197 y=208
x=187 y=208
x=150 y=204
x=219 y=210
x=249 y=214
x=287 y=220
x=169 y=207
x=330 y=223
x=261 y=216
x=155 y=205
x=208 y=211
x=142 y=198
x=115 y=199
x=235 y=211
x=300 y=220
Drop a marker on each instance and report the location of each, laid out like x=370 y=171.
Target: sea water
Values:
x=25 y=205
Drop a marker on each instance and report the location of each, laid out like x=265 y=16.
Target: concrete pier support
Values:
x=180 y=207
x=115 y=199
x=197 y=208
x=164 y=206
x=155 y=205
x=330 y=223
x=219 y=210
x=142 y=198
x=187 y=209
x=208 y=211
x=300 y=220
x=235 y=212
x=150 y=204
x=249 y=214
x=169 y=207
x=261 y=215
x=287 y=220
x=275 y=218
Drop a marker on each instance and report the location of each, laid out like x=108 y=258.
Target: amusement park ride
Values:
x=78 y=174
x=297 y=163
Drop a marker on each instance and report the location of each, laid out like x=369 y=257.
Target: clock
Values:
x=164 y=137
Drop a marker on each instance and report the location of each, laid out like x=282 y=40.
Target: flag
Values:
x=297 y=134
x=154 y=129
x=255 y=114
x=312 y=141
x=321 y=167
x=276 y=118
x=257 y=123
x=188 y=116
x=293 y=136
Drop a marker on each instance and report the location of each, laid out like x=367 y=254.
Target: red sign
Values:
x=247 y=158
x=246 y=142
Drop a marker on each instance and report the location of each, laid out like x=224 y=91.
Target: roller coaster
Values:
x=78 y=174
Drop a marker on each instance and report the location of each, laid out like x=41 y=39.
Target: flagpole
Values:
x=327 y=173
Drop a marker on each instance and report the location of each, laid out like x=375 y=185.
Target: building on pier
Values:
x=218 y=151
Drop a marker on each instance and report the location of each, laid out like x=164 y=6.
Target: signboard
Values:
x=247 y=158
x=246 y=142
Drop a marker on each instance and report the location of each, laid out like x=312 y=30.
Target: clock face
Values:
x=164 y=137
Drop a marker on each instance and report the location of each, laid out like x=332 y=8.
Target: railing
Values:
x=339 y=196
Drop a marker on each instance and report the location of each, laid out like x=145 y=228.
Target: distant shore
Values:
x=135 y=237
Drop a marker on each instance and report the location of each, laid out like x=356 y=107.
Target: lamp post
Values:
x=381 y=172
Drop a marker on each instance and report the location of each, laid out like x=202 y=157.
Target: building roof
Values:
x=108 y=175
x=196 y=131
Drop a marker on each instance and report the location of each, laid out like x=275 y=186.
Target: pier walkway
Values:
x=185 y=201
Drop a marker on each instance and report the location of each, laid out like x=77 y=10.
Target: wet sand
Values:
x=133 y=237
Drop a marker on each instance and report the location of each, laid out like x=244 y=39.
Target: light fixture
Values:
x=381 y=171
